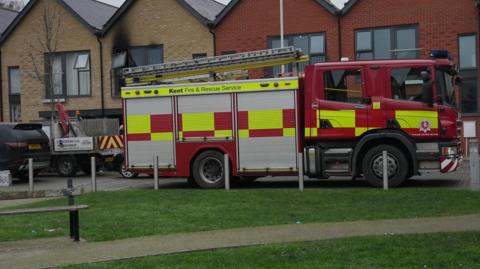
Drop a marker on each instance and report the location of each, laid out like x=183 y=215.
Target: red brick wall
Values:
x=439 y=21
x=250 y=23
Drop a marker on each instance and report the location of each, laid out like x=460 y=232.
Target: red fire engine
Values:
x=339 y=117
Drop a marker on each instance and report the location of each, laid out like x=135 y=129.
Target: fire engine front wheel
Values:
x=208 y=170
x=397 y=166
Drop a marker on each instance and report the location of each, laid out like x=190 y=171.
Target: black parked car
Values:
x=18 y=143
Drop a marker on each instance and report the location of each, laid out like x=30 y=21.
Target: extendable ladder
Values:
x=225 y=63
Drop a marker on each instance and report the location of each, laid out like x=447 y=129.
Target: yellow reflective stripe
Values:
x=414 y=118
x=338 y=118
x=198 y=122
x=377 y=105
x=360 y=130
x=162 y=136
x=138 y=124
x=243 y=133
x=180 y=135
x=265 y=119
x=274 y=85
x=223 y=133
x=289 y=132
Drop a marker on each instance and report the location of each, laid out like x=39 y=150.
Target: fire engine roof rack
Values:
x=224 y=63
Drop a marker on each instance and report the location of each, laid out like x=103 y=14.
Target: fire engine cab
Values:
x=334 y=120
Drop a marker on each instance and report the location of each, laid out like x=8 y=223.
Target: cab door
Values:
x=341 y=113
x=406 y=109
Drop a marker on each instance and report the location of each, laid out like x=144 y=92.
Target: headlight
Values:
x=449 y=151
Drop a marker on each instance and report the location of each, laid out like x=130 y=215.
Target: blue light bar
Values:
x=440 y=54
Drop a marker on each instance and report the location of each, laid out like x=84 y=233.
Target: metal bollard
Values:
x=227 y=171
x=93 y=167
x=385 y=169
x=155 y=172
x=474 y=165
x=301 y=185
x=30 y=175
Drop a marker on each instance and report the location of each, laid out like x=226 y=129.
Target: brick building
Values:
x=93 y=42
x=311 y=25
x=390 y=29
x=369 y=29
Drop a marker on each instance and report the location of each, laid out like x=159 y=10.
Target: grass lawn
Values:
x=127 y=214
x=457 y=250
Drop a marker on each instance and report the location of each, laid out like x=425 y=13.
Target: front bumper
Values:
x=449 y=164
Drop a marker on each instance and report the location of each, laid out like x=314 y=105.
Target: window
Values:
x=14 y=84
x=343 y=85
x=387 y=43
x=468 y=71
x=407 y=83
x=310 y=44
x=70 y=74
x=134 y=56
x=145 y=55
x=468 y=52
x=199 y=55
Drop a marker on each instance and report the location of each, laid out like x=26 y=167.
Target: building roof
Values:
x=327 y=4
x=348 y=5
x=6 y=17
x=203 y=10
x=208 y=9
x=92 y=12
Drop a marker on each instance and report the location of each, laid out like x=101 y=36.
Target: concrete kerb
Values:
x=78 y=190
x=66 y=254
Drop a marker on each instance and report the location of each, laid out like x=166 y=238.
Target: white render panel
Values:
x=204 y=103
x=267 y=153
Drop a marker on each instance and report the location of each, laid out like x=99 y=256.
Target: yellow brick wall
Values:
x=16 y=52
x=147 y=22
x=155 y=22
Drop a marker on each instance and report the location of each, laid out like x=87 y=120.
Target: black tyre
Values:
x=127 y=173
x=66 y=166
x=209 y=171
x=372 y=166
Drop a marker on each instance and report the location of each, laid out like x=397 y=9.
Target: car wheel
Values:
x=66 y=166
x=127 y=173
x=372 y=166
x=208 y=170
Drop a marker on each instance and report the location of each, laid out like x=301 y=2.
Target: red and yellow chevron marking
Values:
x=110 y=142
x=267 y=123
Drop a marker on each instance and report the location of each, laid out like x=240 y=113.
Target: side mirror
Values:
x=427 y=88
x=458 y=80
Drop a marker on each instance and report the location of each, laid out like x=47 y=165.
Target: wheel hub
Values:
x=211 y=170
x=392 y=165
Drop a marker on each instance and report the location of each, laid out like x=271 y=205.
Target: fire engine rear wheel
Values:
x=208 y=170
x=66 y=166
x=373 y=166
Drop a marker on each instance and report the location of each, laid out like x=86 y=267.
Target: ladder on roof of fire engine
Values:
x=217 y=64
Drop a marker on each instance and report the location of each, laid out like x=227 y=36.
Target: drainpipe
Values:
x=339 y=31
x=102 y=98
x=211 y=30
x=1 y=88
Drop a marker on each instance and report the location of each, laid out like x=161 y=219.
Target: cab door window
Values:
x=407 y=83
x=343 y=85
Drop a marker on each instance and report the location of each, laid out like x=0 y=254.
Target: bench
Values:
x=73 y=213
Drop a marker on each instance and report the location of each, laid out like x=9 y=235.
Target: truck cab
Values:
x=356 y=110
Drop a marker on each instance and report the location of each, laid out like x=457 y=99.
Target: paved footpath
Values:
x=46 y=253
